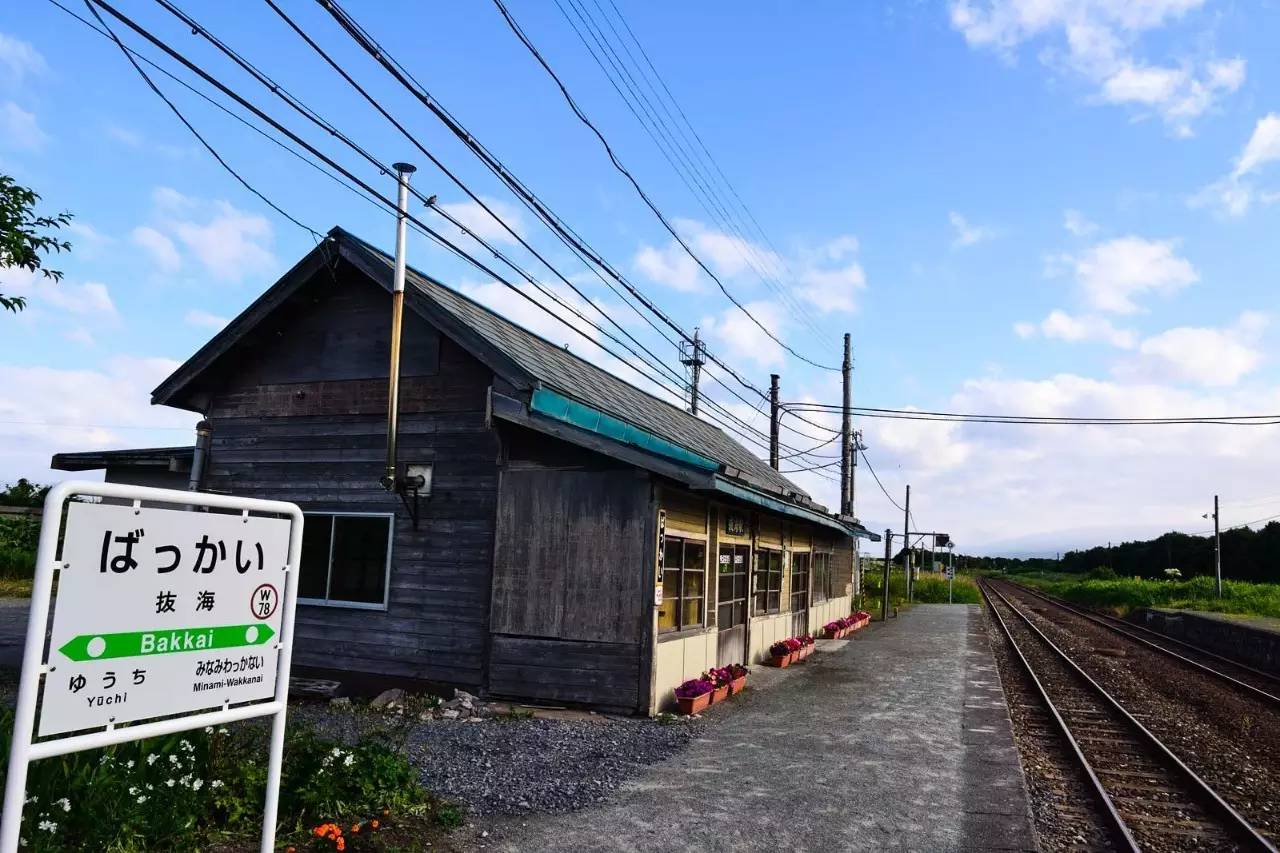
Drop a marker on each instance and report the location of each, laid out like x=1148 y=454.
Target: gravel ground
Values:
x=1230 y=739
x=1062 y=804
x=514 y=766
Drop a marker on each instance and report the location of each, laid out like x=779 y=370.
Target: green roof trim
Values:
x=558 y=406
x=751 y=496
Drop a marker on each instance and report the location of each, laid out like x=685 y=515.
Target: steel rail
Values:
x=1119 y=830
x=1257 y=692
x=1236 y=824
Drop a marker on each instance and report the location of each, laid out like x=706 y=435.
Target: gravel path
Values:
x=503 y=765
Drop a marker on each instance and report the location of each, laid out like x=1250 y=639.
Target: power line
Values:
x=876 y=477
x=500 y=170
x=524 y=39
x=694 y=178
x=955 y=417
x=366 y=188
x=161 y=95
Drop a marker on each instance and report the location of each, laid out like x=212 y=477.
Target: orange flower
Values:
x=386 y=812
x=342 y=844
x=374 y=823
x=355 y=827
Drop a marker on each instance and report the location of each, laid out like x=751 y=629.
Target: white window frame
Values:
x=328 y=576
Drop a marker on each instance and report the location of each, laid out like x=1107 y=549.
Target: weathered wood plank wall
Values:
x=284 y=429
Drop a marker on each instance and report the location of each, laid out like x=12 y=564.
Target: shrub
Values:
x=183 y=791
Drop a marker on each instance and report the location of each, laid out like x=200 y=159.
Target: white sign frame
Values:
x=23 y=751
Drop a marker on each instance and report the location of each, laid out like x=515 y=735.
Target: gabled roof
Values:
x=523 y=358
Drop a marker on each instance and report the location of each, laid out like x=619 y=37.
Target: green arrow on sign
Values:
x=131 y=644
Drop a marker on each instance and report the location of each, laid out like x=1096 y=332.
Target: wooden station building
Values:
x=578 y=540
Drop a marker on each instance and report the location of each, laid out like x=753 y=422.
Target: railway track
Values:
x=1149 y=799
x=1254 y=682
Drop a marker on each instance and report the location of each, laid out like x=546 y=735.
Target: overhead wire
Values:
x=613 y=157
x=414 y=222
x=690 y=174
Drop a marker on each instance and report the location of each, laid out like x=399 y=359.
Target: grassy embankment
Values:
x=1122 y=595
x=929 y=589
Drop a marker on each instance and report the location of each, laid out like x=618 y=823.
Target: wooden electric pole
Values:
x=846 y=434
x=906 y=540
x=773 y=421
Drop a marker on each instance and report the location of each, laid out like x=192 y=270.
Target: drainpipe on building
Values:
x=199 y=455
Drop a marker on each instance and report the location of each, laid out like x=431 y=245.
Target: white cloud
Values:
x=823 y=276
x=204 y=320
x=1206 y=356
x=19 y=128
x=1097 y=41
x=1234 y=194
x=164 y=254
x=1263 y=146
x=1085 y=327
x=1076 y=223
x=485 y=226
x=737 y=338
x=90 y=298
x=228 y=242
x=968 y=234
x=505 y=301
x=80 y=335
x=670 y=266
x=18 y=59
x=1113 y=274
x=83 y=410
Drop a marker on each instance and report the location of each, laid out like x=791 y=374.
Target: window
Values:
x=731 y=603
x=821 y=577
x=346 y=559
x=684 y=569
x=799 y=582
x=768 y=582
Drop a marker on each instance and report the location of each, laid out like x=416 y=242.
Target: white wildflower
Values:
x=335 y=752
x=349 y=760
x=197 y=785
x=64 y=802
x=208 y=730
x=142 y=799
x=151 y=759
x=215 y=784
x=33 y=799
x=173 y=759
x=128 y=765
x=48 y=826
x=186 y=744
x=133 y=791
x=171 y=782
x=223 y=731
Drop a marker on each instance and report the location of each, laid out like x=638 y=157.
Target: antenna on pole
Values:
x=691 y=356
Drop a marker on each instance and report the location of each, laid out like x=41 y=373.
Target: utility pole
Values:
x=773 y=421
x=846 y=437
x=906 y=541
x=691 y=357
x=888 y=560
x=1217 y=547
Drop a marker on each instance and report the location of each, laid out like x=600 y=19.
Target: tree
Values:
x=23 y=236
x=23 y=493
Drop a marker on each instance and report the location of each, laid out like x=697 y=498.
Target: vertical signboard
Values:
x=166 y=619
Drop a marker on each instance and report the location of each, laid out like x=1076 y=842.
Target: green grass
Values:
x=1122 y=595
x=932 y=589
x=15 y=587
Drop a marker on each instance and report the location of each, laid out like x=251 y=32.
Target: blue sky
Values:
x=1050 y=207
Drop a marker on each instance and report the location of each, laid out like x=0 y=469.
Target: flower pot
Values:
x=737 y=685
x=693 y=704
x=779 y=661
x=720 y=694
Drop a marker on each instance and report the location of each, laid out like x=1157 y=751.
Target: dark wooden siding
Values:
x=570 y=584
x=280 y=431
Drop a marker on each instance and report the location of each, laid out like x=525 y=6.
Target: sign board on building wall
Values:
x=735 y=523
x=161 y=612
x=662 y=557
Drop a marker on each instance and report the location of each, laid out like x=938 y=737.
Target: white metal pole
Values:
x=24 y=717
x=276 y=757
x=1217 y=547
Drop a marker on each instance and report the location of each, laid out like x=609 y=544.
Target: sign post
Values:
x=161 y=612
